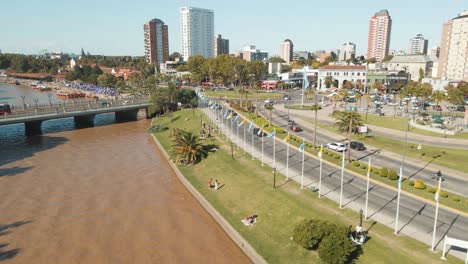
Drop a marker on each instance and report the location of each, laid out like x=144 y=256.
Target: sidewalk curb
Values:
x=248 y=250
x=455 y=211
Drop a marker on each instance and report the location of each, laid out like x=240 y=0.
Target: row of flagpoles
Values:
x=225 y=114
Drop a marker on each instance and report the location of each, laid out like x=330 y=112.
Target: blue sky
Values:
x=116 y=27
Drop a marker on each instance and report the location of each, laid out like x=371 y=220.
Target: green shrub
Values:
x=375 y=170
x=383 y=172
x=336 y=248
x=363 y=166
x=456 y=198
x=308 y=233
x=410 y=182
x=336 y=156
x=431 y=190
x=279 y=130
x=443 y=194
x=392 y=175
x=419 y=184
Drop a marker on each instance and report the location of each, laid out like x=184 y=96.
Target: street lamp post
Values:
x=360 y=216
x=36 y=101
x=49 y=94
x=274 y=178
x=24 y=105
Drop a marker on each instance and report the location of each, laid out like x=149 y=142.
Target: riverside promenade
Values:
x=416 y=216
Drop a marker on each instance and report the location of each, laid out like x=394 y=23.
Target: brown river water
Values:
x=103 y=194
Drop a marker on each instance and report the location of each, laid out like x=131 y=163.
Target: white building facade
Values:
x=341 y=74
x=287 y=49
x=197 y=26
x=411 y=64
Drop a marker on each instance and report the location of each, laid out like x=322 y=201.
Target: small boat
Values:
x=41 y=88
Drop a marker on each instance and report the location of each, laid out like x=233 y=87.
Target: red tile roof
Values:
x=343 y=67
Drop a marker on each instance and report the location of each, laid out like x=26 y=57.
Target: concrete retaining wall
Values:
x=232 y=233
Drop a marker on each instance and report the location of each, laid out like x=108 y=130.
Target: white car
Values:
x=270 y=101
x=336 y=146
x=406 y=99
x=392 y=103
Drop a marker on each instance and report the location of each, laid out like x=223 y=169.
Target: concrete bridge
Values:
x=83 y=111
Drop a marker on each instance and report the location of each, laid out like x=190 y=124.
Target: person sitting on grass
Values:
x=210 y=183
x=216 y=185
x=250 y=220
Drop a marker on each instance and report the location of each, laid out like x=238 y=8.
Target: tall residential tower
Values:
x=418 y=45
x=453 y=57
x=380 y=28
x=221 y=46
x=156 y=41
x=197 y=32
x=287 y=49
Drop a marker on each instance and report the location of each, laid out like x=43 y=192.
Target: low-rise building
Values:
x=170 y=67
x=439 y=84
x=301 y=54
x=275 y=67
x=411 y=64
x=340 y=74
x=251 y=53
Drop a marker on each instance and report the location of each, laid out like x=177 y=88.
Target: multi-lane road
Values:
x=416 y=218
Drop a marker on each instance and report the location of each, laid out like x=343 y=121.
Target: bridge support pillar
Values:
x=33 y=128
x=127 y=115
x=84 y=120
x=147 y=113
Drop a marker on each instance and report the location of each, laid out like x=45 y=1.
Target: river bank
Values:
x=101 y=195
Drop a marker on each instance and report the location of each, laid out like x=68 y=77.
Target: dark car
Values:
x=357 y=145
x=461 y=108
x=105 y=104
x=295 y=128
x=258 y=133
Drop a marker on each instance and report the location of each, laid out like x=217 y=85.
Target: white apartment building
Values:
x=286 y=50
x=434 y=51
x=341 y=74
x=411 y=64
x=418 y=45
x=453 y=57
x=251 y=53
x=348 y=51
x=197 y=25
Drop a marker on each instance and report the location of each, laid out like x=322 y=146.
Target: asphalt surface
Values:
x=378 y=158
x=416 y=218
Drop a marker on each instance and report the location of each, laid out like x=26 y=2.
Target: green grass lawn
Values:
x=299 y=107
x=251 y=95
x=399 y=123
x=248 y=190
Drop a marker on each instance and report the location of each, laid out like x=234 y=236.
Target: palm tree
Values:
x=335 y=99
x=328 y=81
x=270 y=108
x=186 y=147
x=438 y=96
x=315 y=107
x=241 y=92
x=347 y=122
x=343 y=95
x=358 y=97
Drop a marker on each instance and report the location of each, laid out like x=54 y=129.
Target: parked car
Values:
x=295 y=128
x=258 y=133
x=406 y=99
x=452 y=107
x=357 y=145
x=336 y=146
x=461 y=108
x=270 y=101
x=351 y=99
x=392 y=103
x=5 y=109
x=437 y=108
x=105 y=104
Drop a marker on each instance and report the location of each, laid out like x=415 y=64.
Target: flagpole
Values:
x=237 y=136
x=274 y=150
x=401 y=178
x=320 y=172
x=367 y=189
x=436 y=213
x=287 y=157
x=245 y=149
x=302 y=171
x=342 y=176
x=253 y=147
x=261 y=131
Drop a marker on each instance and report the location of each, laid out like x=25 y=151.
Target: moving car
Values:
x=287 y=97
x=295 y=128
x=336 y=146
x=357 y=145
x=257 y=132
x=270 y=101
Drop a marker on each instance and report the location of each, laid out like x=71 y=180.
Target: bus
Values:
x=5 y=109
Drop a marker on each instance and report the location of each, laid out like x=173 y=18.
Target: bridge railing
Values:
x=73 y=106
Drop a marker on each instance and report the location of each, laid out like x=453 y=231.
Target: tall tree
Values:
x=347 y=122
x=328 y=81
x=438 y=96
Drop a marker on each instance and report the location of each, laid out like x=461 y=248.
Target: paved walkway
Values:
x=416 y=217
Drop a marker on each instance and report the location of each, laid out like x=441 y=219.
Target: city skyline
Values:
x=102 y=32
